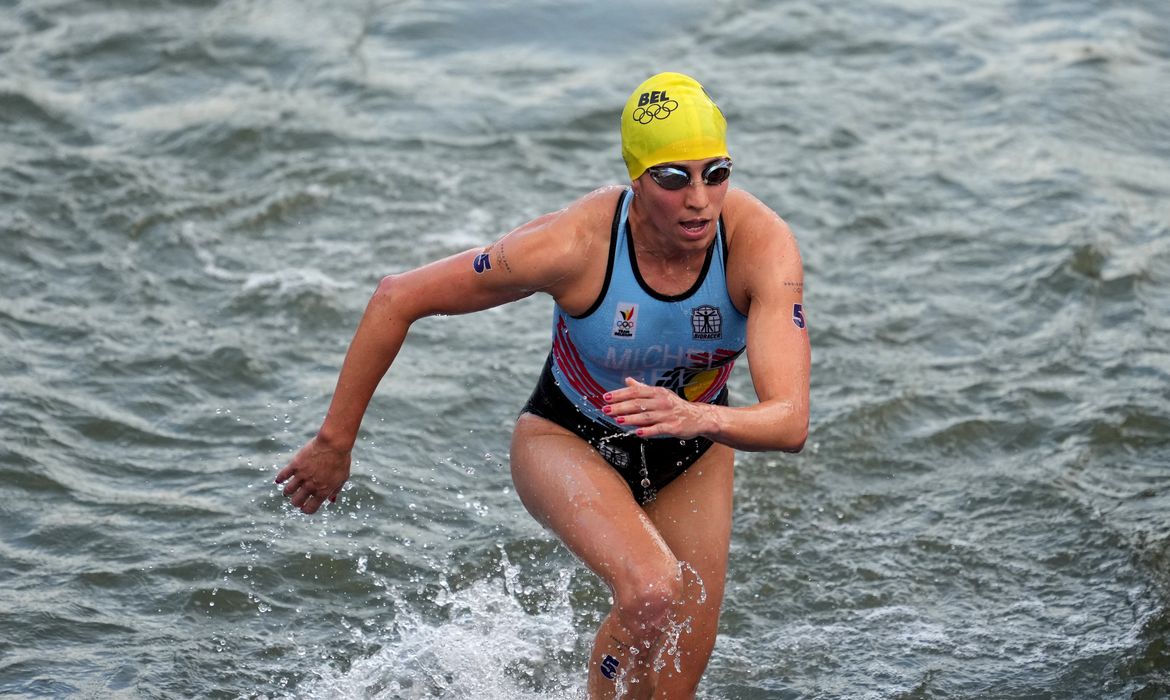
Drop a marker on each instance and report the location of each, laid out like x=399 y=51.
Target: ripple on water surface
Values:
x=198 y=200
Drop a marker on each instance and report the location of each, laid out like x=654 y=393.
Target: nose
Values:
x=696 y=194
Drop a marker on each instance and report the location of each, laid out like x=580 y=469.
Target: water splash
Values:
x=675 y=628
x=485 y=645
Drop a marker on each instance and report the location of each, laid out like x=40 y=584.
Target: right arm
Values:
x=542 y=255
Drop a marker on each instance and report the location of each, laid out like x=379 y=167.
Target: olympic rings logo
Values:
x=656 y=110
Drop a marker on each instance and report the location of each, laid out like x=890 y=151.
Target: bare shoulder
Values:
x=762 y=250
x=554 y=251
x=575 y=225
x=754 y=223
x=589 y=218
x=588 y=223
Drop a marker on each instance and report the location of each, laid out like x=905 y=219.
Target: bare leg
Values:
x=693 y=516
x=566 y=485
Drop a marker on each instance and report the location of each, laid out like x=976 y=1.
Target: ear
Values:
x=636 y=185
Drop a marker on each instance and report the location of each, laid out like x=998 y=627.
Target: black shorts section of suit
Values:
x=665 y=458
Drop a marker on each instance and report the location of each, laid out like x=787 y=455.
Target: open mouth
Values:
x=694 y=226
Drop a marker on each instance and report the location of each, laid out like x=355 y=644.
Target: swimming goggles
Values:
x=669 y=177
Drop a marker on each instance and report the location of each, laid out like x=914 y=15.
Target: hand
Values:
x=655 y=411
x=315 y=474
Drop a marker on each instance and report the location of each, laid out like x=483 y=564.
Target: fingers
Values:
x=308 y=501
x=653 y=411
x=633 y=413
x=311 y=504
x=640 y=407
x=304 y=496
x=316 y=474
x=292 y=486
x=637 y=402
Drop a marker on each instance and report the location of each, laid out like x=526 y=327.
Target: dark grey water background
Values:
x=196 y=199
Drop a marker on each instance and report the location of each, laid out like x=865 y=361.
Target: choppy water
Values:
x=196 y=199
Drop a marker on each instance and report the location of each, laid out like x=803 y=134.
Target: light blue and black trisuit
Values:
x=686 y=342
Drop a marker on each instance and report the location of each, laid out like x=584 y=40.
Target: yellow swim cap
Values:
x=669 y=118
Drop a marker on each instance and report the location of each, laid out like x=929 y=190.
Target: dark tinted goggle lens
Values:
x=671 y=178
x=717 y=172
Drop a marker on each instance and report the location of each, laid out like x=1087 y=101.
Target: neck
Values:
x=666 y=256
x=663 y=247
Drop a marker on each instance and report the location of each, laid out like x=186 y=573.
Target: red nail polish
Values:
x=621 y=419
x=607 y=410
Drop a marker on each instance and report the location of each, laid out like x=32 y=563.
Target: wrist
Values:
x=336 y=440
x=713 y=421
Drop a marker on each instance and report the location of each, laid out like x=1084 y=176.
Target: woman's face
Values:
x=686 y=216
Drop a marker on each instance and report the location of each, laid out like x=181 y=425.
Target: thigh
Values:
x=570 y=489
x=693 y=515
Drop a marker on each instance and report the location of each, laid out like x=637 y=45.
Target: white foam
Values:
x=487 y=647
x=292 y=280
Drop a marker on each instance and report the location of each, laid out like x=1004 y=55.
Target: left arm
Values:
x=765 y=269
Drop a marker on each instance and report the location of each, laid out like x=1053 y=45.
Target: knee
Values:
x=647 y=599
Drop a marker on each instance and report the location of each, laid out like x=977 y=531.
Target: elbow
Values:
x=392 y=303
x=779 y=439
x=792 y=437
x=795 y=443
x=783 y=429
x=387 y=288
x=390 y=300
